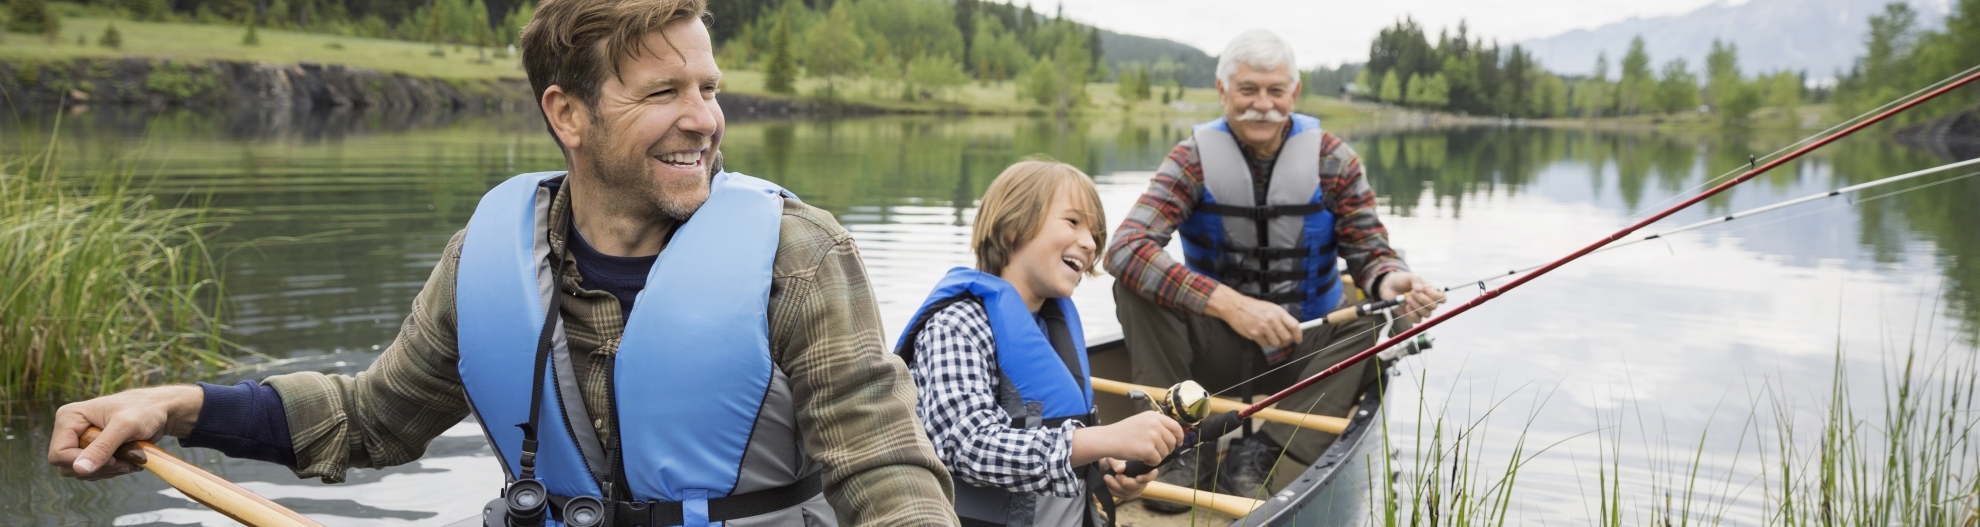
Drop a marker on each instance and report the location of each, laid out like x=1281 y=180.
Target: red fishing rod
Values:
x=1218 y=425
x=1618 y=235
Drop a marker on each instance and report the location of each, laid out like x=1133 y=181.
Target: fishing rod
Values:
x=1480 y=282
x=1223 y=423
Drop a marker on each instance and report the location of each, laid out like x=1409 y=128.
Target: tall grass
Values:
x=105 y=287
x=1916 y=461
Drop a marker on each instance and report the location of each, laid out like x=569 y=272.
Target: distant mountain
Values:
x=1818 y=37
x=1194 y=68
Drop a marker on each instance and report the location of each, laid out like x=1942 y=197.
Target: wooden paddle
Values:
x=1225 y=504
x=1331 y=425
x=204 y=487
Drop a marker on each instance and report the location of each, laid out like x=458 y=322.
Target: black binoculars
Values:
x=525 y=503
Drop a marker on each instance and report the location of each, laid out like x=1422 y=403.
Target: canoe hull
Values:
x=1336 y=490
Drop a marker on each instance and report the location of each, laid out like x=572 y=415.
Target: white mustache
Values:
x=1271 y=116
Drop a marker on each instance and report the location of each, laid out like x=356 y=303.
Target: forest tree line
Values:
x=494 y=23
x=1458 y=74
x=1901 y=58
x=918 y=48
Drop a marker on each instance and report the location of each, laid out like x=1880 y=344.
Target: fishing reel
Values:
x=1421 y=343
x=1187 y=402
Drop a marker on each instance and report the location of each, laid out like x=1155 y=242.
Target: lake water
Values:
x=1661 y=342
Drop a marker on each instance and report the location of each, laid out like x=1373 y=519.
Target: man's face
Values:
x=656 y=128
x=1257 y=104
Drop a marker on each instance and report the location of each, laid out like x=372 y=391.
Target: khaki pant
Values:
x=1168 y=346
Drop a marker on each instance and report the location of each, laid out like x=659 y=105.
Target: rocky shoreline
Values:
x=1955 y=136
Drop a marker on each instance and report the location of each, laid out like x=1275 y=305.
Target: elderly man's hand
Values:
x=1420 y=297
x=1263 y=322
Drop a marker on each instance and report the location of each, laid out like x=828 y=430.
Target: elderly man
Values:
x=1266 y=202
x=680 y=344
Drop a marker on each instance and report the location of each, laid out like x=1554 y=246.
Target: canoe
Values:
x=1335 y=490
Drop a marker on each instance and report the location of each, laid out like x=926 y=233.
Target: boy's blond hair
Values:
x=1014 y=208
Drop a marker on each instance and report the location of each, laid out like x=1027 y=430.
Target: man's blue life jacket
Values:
x=702 y=420
x=1043 y=377
x=1280 y=251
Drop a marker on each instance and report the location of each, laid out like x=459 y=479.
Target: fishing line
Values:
x=1855 y=203
x=1805 y=140
x=1742 y=214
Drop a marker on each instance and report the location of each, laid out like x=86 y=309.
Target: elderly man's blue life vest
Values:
x=1281 y=251
x=1043 y=377
x=702 y=414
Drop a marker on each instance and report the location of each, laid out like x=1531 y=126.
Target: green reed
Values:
x=106 y=287
x=1914 y=462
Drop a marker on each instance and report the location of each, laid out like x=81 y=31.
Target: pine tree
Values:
x=111 y=38
x=1634 y=90
x=251 y=38
x=32 y=16
x=782 y=68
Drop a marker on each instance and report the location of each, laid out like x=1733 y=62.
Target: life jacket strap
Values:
x=732 y=507
x=1268 y=253
x=1261 y=213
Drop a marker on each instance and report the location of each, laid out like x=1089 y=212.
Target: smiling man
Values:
x=682 y=344
x=1267 y=203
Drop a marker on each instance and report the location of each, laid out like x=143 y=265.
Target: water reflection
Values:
x=340 y=224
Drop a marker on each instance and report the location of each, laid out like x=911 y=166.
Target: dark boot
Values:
x=1248 y=467
x=1186 y=471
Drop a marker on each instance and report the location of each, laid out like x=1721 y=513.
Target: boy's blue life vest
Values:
x=1044 y=381
x=704 y=421
x=1281 y=251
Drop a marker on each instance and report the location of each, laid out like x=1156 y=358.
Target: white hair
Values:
x=1260 y=49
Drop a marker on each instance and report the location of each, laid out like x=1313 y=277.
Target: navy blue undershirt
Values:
x=243 y=421
x=622 y=276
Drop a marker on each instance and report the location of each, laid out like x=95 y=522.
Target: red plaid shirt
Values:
x=1136 y=257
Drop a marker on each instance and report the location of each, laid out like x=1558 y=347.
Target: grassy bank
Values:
x=186 y=41
x=107 y=287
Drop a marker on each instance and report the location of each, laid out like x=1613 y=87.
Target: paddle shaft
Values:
x=1331 y=425
x=204 y=487
x=1225 y=504
x=1618 y=235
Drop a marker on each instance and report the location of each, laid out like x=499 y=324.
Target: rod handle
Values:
x=1323 y=423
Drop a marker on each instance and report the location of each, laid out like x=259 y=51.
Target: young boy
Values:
x=999 y=360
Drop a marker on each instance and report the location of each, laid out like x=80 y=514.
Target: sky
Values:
x=1332 y=32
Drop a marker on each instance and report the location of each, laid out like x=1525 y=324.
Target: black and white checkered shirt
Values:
x=955 y=369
